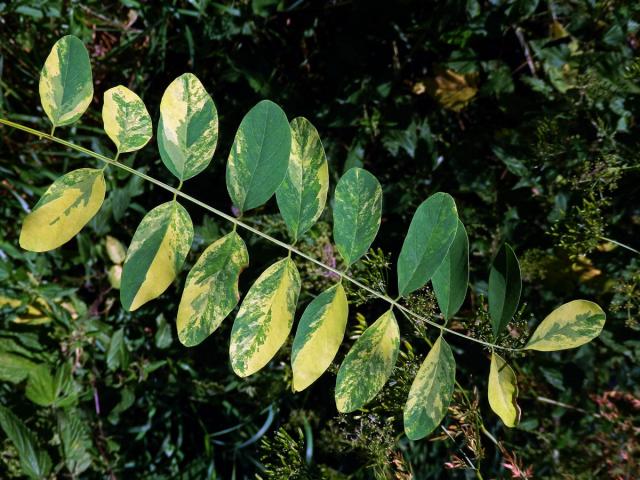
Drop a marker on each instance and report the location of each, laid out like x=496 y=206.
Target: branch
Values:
x=238 y=223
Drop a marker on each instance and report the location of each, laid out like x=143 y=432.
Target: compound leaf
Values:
x=188 y=127
x=356 y=213
x=505 y=285
x=67 y=206
x=319 y=335
x=568 y=326
x=126 y=119
x=259 y=156
x=66 y=83
x=503 y=391
x=211 y=290
x=303 y=193
x=156 y=254
x=430 y=392
x=451 y=279
x=265 y=318
x=431 y=233
x=368 y=365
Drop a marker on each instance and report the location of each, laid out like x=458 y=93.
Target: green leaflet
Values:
x=126 y=120
x=504 y=288
x=430 y=392
x=431 y=232
x=452 y=277
x=211 y=291
x=503 y=391
x=67 y=206
x=319 y=335
x=34 y=461
x=259 y=156
x=188 y=127
x=302 y=195
x=568 y=326
x=368 y=365
x=66 y=84
x=265 y=318
x=356 y=213
x=155 y=256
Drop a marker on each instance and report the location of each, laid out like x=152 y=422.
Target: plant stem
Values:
x=631 y=249
x=238 y=223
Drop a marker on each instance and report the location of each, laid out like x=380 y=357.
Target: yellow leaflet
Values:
x=503 y=391
x=66 y=84
x=319 y=336
x=156 y=254
x=126 y=119
x=265 y=318
x=568 y=326
x=67 y=206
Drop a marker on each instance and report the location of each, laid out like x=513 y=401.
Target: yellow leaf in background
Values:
x=115 y=250
x=585 y=268
x=451 y=89
x=115 y=274
x=35 y=314
x=557 y=31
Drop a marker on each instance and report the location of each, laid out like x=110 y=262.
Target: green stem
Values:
x=177 y=193
x=631 y=249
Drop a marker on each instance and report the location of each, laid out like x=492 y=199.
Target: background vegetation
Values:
x=524 y=111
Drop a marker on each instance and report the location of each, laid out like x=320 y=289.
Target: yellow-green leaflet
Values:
x=503 y=391
x=265 y=318
x=259 y=156
x=303 y=193
x=126 y=119
x=66 y=84
x=67 y=206
x=155 y=256
x=211 y=291
x=356 y=213
x=430 y=392
x=188 y=127
x=368 y=365
x=568 y=326
x=319 y=335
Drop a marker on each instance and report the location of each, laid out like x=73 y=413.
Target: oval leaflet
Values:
x=259 y=156
x=568 y=326
x=356 y=213
x=126 y=119
x=302 y=194
x=505 y=285
x=66 y=82
x=156 y=254
x=188 y=127
x=368 y=365
x=319 y=335
x=211 y=289
x=265 y=318
x=64 y=209
x=430 y=392
x=503 y=391
x=431 y=232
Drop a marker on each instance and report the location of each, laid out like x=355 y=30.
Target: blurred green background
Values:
x=525 y=111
